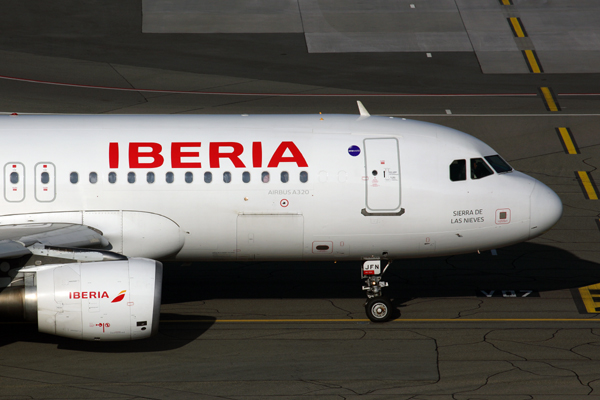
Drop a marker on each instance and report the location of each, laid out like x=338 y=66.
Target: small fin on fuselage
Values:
x=363 y=111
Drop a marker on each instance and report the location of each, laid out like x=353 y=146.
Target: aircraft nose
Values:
x=545 y=209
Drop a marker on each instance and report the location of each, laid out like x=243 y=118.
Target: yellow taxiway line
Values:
x=591 y=300
x=396 y=320
x=517 y=27
x=567 y=139
x=205 y=321
x=533 y=64
x=587 y=185
x=549 y=99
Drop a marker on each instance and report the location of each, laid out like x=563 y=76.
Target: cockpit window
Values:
x=498 y=164
x=458 y=170
x=479 y=169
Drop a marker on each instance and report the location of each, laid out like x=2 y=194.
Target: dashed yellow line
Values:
x=568 y=140
x=532 y=62
x=506 y=2
x=517 y=27
x=591 y=300
x=549 y=101
x=587 y=184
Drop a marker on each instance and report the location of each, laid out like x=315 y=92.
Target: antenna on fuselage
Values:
x=362 y=110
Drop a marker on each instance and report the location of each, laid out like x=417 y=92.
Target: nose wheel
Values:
x=377 y=307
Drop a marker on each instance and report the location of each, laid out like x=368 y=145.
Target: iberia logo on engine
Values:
x=97 y=295
x=119 y=297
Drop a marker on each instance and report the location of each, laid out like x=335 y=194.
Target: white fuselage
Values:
x=409 y=208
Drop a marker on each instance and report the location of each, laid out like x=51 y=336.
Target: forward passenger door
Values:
x=382 y=172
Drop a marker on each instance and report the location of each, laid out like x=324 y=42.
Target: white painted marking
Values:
x=428 y=55
x=412 y=6
x=488 y=115
x=448 y=111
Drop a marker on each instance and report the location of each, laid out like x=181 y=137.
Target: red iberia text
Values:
x=189 y=155
x=88 y=295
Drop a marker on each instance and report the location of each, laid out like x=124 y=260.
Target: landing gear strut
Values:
x=377 y=307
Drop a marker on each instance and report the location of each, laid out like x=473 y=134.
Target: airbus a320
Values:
x=111 y=196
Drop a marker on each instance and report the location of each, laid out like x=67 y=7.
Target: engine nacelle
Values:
x=109 y=300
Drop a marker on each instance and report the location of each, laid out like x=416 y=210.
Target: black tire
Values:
x=379 y=309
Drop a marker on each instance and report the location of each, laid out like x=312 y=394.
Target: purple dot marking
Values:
x=354 y=150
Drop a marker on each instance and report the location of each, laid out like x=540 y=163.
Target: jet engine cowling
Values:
x=102 y=301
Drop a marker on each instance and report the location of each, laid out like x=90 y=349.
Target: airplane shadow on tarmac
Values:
x=525 y=266
x=168 y=338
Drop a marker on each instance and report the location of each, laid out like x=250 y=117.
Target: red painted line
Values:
x=12 y=78
x=578 y=94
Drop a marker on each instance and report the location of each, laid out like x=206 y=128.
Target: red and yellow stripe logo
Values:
x=119 y=297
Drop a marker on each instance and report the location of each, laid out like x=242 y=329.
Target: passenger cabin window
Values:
x=458 y=170
x=479 y=169
x=112 y=177
x=498 y=163
x=264 y=177
x=189 y=177
x=208 y=177
x=246 y=177
x=14 y=177
x=285 y=176
x=303 y=176
x=170 y=177
x=93 y=177
x=131 y=177
x=45 y=177
x=74 y=177
x=150 y=177
x=226 y=177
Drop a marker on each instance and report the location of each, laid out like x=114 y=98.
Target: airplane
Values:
x=93 y=203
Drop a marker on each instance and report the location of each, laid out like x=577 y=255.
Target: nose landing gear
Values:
x=377 y=307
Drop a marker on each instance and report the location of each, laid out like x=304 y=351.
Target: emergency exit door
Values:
x=14 y=182
x=382 y=163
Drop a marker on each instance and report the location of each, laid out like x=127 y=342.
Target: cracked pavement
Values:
x=302 y=360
